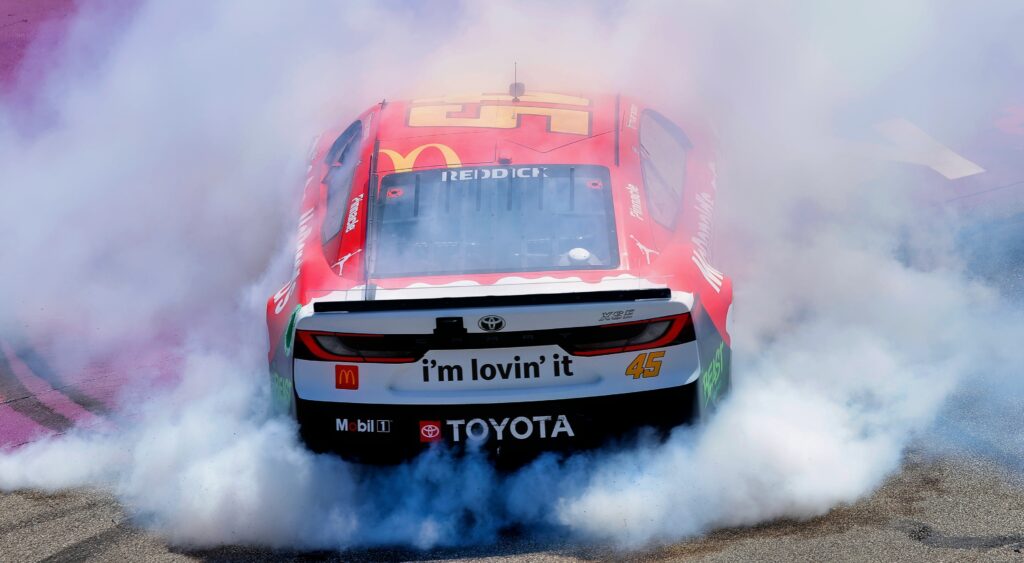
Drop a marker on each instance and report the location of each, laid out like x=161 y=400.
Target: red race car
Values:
x=516 y=272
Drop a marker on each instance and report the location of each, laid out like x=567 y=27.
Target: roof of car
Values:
x=496 y=129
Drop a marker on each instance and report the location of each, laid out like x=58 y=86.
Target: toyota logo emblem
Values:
x=430 y=431
x=491 y=323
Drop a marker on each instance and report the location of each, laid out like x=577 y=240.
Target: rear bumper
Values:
x=512 y=432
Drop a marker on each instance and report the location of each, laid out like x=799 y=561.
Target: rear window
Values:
x=494 y=219
x=663 y=148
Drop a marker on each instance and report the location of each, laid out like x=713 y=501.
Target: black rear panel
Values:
x=396 y=429
x=491 y=301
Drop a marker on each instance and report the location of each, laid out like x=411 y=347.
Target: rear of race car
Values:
x=516 y=374
x=517 y=274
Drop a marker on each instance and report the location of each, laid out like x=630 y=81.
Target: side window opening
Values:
x=663 y=150
x=342 y=160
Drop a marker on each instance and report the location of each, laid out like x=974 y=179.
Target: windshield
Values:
x=493 y=220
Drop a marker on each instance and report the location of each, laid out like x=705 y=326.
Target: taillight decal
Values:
x=576 y=341
x=308 y=340
x=673 y=335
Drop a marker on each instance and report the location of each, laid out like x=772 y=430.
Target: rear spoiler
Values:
x=491 y=301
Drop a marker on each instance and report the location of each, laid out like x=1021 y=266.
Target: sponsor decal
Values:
x=491 y=323
x=371 y=426
x=340 y=264
x=493 y=173
x=346 y=377
x=646 y=365
x=633 y=111
x=620 y=315
x=284 y=294
x=407 y=162
x=710 y=379
x=636 y=210
x=518 y=428
x=478 y=112
x=646 y=250
x=281 y=392
x=353 y=213
x=289 y=331
x=430 y=431
x=497 y=371
x=702 y=242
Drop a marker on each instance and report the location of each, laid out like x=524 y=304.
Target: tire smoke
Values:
x=151 y=186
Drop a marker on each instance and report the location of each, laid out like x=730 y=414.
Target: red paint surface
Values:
x=607 y=136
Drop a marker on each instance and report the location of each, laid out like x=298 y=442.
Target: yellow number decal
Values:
x=652 y=367
x=530 y=97
x=636 y=367
x=438 y=112
x=646 y=365
x=501 y=117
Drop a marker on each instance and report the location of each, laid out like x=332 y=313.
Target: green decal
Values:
x=281 y=393
x=289 y=333
x=712 y=376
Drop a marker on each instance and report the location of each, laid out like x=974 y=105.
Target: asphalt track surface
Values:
x=962 y=508
x=933 y=510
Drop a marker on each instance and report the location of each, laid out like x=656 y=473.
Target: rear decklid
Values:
x=516 y=347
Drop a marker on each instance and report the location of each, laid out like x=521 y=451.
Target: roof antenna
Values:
x=517 y=88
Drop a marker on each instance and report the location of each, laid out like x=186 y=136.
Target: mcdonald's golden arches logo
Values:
x=346 y=377
x=405 y=163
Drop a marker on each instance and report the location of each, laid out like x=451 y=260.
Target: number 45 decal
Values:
x=645 y=365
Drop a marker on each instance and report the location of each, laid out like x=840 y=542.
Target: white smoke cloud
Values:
x=151 y=201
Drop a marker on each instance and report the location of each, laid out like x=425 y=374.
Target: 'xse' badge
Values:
x=430 y=431
x=346 y=377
